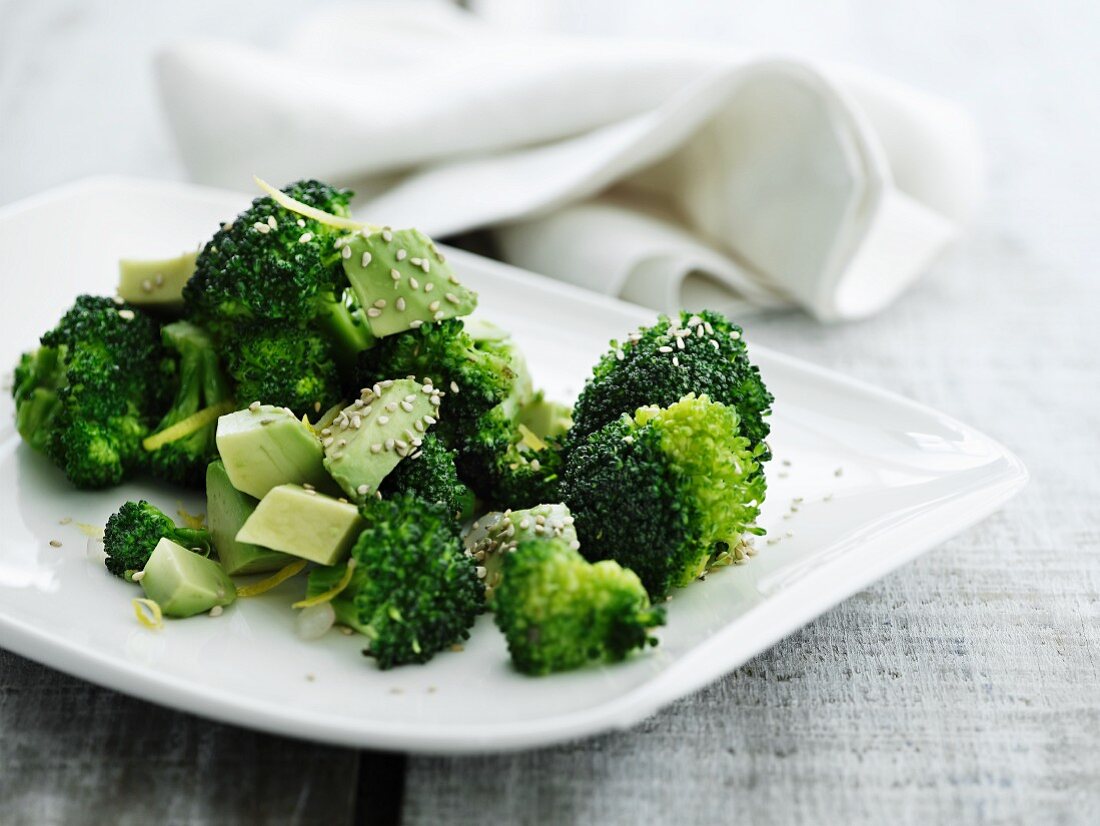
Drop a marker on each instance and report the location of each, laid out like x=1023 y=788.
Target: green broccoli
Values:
x=559 y=611
x=285 y=366
x=271 y=265
x=90 y=393
x=700 y=353
x=667 y=493
x=430 y=474
x=414 y=590
x=183 y=444
x=133 y=532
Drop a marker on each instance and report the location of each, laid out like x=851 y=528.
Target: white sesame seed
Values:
x=426 y=265
x=305 y=237
x=126 y=315
x=308 y=486
x=438 y=315
x=345 y=252
x=664 y=349
x=391 y=407
x=480 y=569
x=146 y=286
x=415 y=323
x=387 y=236
x=216 y=611
x=271 y=222
x=389 y=444
x=376 y=447
x=434 y=400
x=429 y=287
x=261 y=227
x=311 y=492
x=414 y=283
x=383 y=420
x=401 y=255
x=454 y=386
x=395 y=275
x=415 y=262
x=680 y=343
x=380 y=303
x=362 y=490
x=374 y=312
x=136 y=576
x=400 y=304
x=301 y=222
x=408 y=408
x=430 y=420
x=676 y=361
x=419 y=425
x=365 y=260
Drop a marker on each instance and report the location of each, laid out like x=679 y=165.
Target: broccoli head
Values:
x=667 y=493
x=559 y=612
x=271 y=264
x=701 y=352
x=494 y=535
x=414 y=590
x=91 y=392
x=285 y=366
x=133 y=532
x=430 y=474
x=183 y=444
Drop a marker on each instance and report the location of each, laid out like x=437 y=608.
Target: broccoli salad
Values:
x=355 y=431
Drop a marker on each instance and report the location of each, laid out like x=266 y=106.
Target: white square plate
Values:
x=881 y=479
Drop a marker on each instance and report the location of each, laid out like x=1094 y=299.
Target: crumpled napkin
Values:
x=667 y=174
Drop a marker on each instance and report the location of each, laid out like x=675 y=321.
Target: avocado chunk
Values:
x=264 y=446
x=303 y=523
x=227 y=509
x=544 y=418
x=404 y=281
x=383 y=426
x=184 y=583
x=156 y=285
x=497 y=534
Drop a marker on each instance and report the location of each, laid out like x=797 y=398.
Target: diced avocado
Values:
x=227 y=509
x=264 y=446
x=156 y=284
x=303 y=523
x=184 y=583
x=367 y=440
x=497 y=534
x=546 y=419
x=403 y=281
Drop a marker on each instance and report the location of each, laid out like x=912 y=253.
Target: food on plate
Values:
x=364 y=439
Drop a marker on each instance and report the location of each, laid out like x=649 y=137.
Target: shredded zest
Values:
x=331 y=593
x=185 y=427
x=294 y=205
x=531 y=439
x=148 y=613
x=273 y=581
x=195 y=521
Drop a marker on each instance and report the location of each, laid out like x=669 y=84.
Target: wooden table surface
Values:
x=964 y=688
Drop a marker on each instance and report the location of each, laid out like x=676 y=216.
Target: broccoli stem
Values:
x=348 y=331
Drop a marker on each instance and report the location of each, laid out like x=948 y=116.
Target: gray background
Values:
x=963 y=688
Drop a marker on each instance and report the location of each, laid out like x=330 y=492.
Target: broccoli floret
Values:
x=272 y=265
x=284 y=366
x=414 y=591
x=474 y=380
x=559 y=611
x=700 y=353
x=430 y=474
x=667 y=493
x=90 y=393
x=204 y=393
x=134 y=531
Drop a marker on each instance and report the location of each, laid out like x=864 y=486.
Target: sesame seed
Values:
x=680 y=344
x=387 y=236
x=419 y=425
x=620 y=355
x=383 y=420
x=356 y=421
x=429 y=287
x=305 y=237
x=362 y=490
x=401 y=444
x=664 y=349
x=438 y=315
x=311 y=492
x=480 y=569
x=391 y=407
x=389 y=444
x=400 y=304
x=301 y=222
x=676 y=361
x=408 y=408
x=452 y=298
x=380 y=303
x=454 y=387
x=735 y=334
x=326 y=432
x=374 y=312
x=415 y=262
x=414 y=283
x=434 y=400
x=715 y=344
x=328 y=442
x=261 y=228
x=365 y=260
x=452 y=278
x=56 y=543
x=395 y=275
x=254 y=406
x=401 y=255
x=426 y=265
x=415 y=323
x=216 y=611
x=345 y=252
x=308 y=486
x=137 y=576
x=126 y=315
x=146 y=286
x=367 y=410
x=271 y=222
x=376 y=447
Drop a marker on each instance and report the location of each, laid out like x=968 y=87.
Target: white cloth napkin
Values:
x=669 y=174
